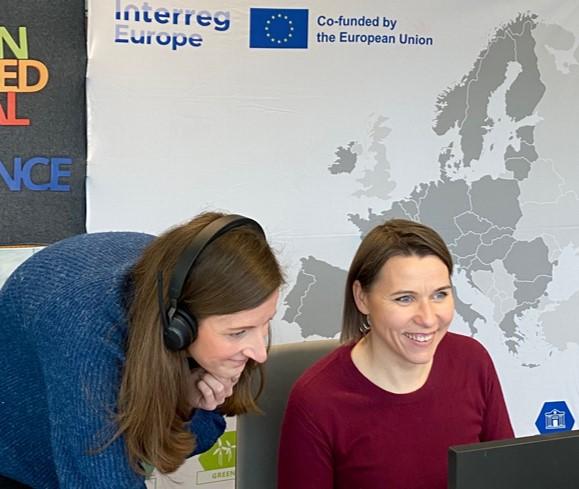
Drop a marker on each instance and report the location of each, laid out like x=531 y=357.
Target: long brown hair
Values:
x=396 y=237
x=238 y=271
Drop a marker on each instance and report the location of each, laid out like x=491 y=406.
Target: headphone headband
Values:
x=208 y=234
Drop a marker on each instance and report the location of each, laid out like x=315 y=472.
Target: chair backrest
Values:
x=258 y=435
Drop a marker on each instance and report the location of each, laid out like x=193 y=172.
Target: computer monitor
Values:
x=532 y=462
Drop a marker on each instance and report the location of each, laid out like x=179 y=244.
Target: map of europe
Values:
x=502 y=204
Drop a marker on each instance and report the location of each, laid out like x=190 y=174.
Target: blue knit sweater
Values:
x=62 y=330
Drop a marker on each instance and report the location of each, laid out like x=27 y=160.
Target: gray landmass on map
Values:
x=315 y=302
x=345 y=160
x=469 y=221
x=377 y=182
x=509 y=327
x=531 y=292
x=478 y=220
x=364 y=225
x=519 y=166
x=466 y=245
x=438 y=205
x=408 y=208
x=445 y=156
x=529 y=259
x=526 y=134
x=497 y=201
x=460 y=213
x=561 y=320
x=559 y=68
x=551 y=216
x=502 y=291
x=448 y=162
x=495 y=233
x=519 y=161
x=556 y=37
x=435 y=204
x=466 y=105
x=549 y=197
x=468 y=314
x=529 y=263
x=482 y=220
x=527 y=90
x=495 y=250
x=543 y=187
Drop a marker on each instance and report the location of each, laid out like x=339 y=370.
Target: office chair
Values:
x=258 y=435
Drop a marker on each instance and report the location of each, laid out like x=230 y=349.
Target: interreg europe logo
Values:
x=18 y=74
x=157 y=22
x=275 y=28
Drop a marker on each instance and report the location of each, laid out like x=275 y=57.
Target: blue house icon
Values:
x=555 y=420
x=555 y=416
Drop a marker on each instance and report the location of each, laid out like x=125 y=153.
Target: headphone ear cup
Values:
x=181 y=332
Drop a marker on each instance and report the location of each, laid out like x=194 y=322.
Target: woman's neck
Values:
x=384 y=369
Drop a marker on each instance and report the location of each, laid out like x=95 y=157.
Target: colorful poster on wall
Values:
x=322 y=119
x=42 y=120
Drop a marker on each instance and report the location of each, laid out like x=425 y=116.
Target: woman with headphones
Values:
x=121 y=350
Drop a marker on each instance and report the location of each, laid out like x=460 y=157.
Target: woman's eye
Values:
x=237 y=334
x=440 y=295
x=405 y=299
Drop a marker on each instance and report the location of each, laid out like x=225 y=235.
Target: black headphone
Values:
x=180 y=326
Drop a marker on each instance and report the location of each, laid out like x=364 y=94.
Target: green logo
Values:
x=222 y=454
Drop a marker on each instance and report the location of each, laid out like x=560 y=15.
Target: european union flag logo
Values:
x=278 y=28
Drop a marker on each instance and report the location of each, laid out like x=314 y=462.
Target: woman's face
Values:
x=410 y=307
x=225 y=342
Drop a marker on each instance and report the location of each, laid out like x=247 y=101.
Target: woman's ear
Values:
x=360 y=297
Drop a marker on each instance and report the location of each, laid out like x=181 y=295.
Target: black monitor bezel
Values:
x=480 y=458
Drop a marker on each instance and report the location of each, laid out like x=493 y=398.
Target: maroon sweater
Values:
x=341 y=431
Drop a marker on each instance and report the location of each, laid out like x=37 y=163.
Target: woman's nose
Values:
x=256 y=349
x=425 y=315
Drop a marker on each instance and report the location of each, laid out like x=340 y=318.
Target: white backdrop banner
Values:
x=322 y=119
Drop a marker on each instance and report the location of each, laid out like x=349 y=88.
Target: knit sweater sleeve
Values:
x=207 y=426
x=82 y=369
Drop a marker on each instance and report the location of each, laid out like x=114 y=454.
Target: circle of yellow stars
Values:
x=279 y=40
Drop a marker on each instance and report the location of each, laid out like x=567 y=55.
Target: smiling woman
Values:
x=410 y=307
x=382 y=410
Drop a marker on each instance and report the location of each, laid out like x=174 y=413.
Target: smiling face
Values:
x=226 y=342
x=410 y=307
